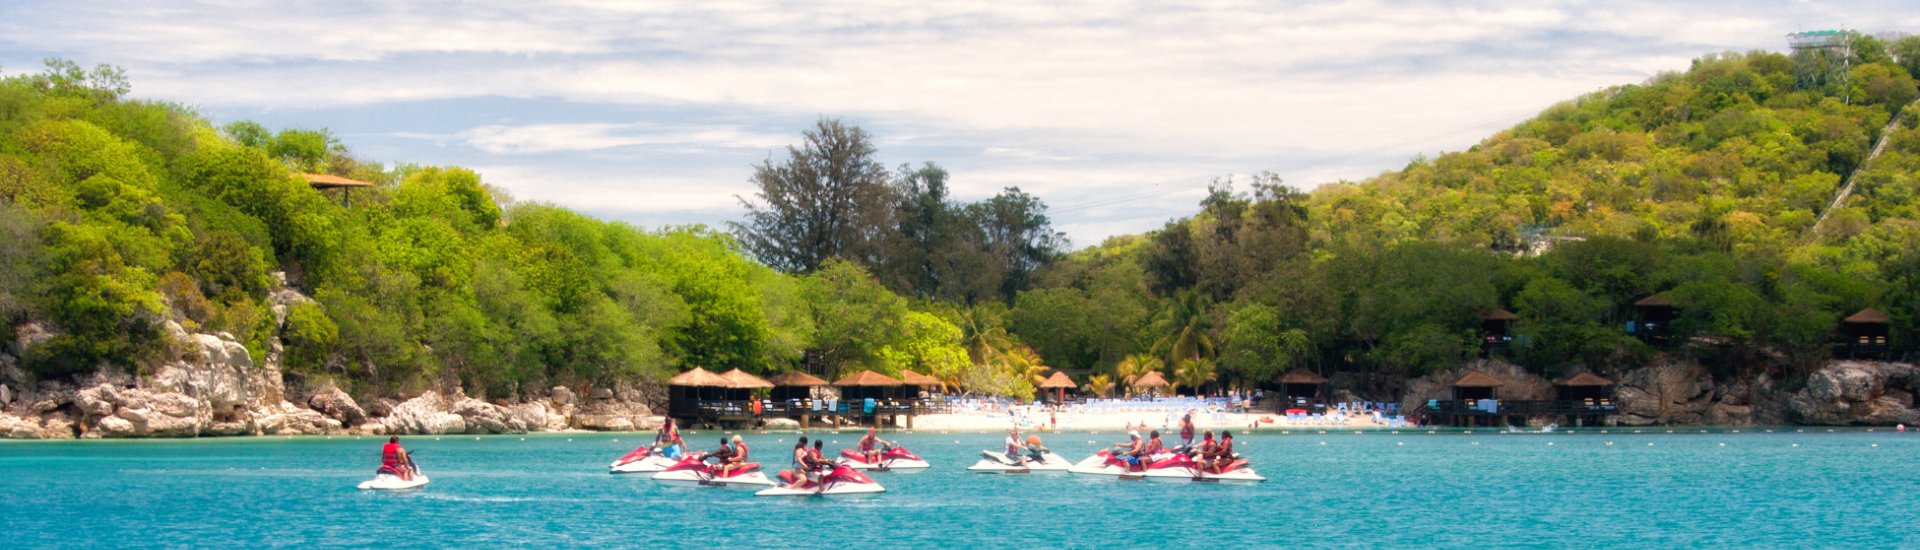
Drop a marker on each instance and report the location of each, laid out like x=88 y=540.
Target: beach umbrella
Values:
x=1151 y=380
x=1059 y=382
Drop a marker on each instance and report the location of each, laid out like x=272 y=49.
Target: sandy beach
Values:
x=1118 y=421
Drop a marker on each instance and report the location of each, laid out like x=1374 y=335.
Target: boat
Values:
x=998 y=463
x=693 y=471
x=1166 y=466
x=641 y=461
x=388 y=479
x=896 y=458
x=843 y=480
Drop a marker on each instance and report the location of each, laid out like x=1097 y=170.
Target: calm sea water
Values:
x=1821 y=489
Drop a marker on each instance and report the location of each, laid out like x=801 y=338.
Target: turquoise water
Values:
x=1378 y=489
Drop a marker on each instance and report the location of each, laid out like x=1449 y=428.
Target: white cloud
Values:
x=549 y=138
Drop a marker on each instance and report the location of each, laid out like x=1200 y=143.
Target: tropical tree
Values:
x=1099 y=384
x=1184 y=326
x=1194 y=373
x=1133 y=367
x=829 y=199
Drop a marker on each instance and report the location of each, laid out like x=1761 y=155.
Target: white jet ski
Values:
x=896 y=458
x=998 y=463
x=386 y=479
x=843 y=480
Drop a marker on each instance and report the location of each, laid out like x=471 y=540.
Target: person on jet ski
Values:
x=737 y=460
x=719 y=456
x=668 y=440
x=802 y=468
x=1014 y=447
x=1186 y=430
x=1207 y=445
x=1153 y=445
x=1035 y=451
x=872 y=447
x=1129 y=450
x=1222 y=454
x=392 y=457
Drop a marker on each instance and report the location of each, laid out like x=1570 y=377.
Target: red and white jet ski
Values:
x=896 y=458
x=641 y=461
x=695 y=472
x=1166 y=466
x=843 y=480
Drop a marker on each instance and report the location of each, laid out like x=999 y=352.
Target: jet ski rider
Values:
x=668 y=439
x=394 y=458
x=737 y=460
x=1129 y=450
x=872 y=447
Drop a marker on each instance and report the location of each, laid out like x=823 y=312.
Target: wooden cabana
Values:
x=793 y=385
x=1059 y=383
x=867 y=384
x=1584 y=386
x=1301 y=387
x=1866 y=332
x=685 y=392
x=1653 y=321
x=741 y=385
x=1476 y=385
x=326 y=182
x=1496 y=329
x=1152 y=382
x=924 y=382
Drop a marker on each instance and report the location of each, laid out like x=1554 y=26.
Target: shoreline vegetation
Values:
x=1735 y=244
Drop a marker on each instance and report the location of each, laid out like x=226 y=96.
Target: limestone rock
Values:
x=1858 y=393
x=425 y=414
x=1667 y=392
x=287 y=419
x=560 y=395
x=782 y=424
x=336 y=404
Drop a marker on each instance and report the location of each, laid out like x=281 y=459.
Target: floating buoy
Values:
x=1723 y=444
x=1401 y=443
x=1603 y=432
x=1649 y=443
x=1396 y=432
x=476 y=438
x=569 y=440
x=1549 y=443
x=1796 y=445
x=1609 y=443
x=1476 y=443
x=1876 y=445
x=1323 y=443
x=616 y=440
x=523 y=439
x=1669 y=431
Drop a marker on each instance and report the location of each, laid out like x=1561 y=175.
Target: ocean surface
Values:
x=1378 y=489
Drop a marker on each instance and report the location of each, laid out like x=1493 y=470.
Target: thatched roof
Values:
x=1477 y=379
x=1151 y=380
x=867 y=378
x=1302 y=376
x=796 y=379
x=1868 y=316
x=1498 y=315
x=1057 y=381
x=700 y=378
x=1585 y=379
x=329 y=181
x=1657 y=300
x=911 y=378
x=740 y=380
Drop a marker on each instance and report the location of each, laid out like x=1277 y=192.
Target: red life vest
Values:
x=390 y=454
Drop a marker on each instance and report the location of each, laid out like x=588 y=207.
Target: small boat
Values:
x=896 y=458
x=843 y=480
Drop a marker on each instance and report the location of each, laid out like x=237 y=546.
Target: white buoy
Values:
x=1649 y=443
x=569 y=440
x=1876 y=445
x=1401 y=443
x=1609 y=443
x=1723 y=444
x=1796 y=445
x=616 y=440
x=1549 y=443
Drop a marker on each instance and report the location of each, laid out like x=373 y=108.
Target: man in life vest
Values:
x=737 y=460
x=395 y=459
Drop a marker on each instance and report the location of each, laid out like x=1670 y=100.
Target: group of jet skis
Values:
x=812 y=473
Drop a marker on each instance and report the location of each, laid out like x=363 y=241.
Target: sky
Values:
x=1116 y=114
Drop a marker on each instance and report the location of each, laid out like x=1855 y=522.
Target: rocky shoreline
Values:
x=1669 y=392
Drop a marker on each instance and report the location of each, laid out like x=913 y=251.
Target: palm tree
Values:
x=1132 y=367
x=1183 y=327
x=1194 y=373
x=1099 y=384
x=1025 y=363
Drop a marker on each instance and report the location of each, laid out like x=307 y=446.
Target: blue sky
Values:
x=1116 y=114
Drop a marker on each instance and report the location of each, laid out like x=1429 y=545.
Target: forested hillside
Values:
x=1709 y=186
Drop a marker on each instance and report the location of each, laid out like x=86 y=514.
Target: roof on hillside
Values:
x=1477 y=379
x=1302 y=376
x=911 y=378
x=1498 y=315
x=1585 y=379
x=699 y=377
x=330 y=181
x=1868 y=316
x=796 y=379
x=1656 y=300
x=866 y=378
x=740 y=380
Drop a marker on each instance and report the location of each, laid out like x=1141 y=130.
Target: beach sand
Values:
x=1085 y=421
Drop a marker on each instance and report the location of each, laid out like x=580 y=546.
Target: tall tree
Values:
x=829 y=199
x=1018 y=235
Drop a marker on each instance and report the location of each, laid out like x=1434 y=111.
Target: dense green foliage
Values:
x=1710 y=186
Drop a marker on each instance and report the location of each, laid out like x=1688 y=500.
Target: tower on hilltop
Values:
x=1820 y=57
